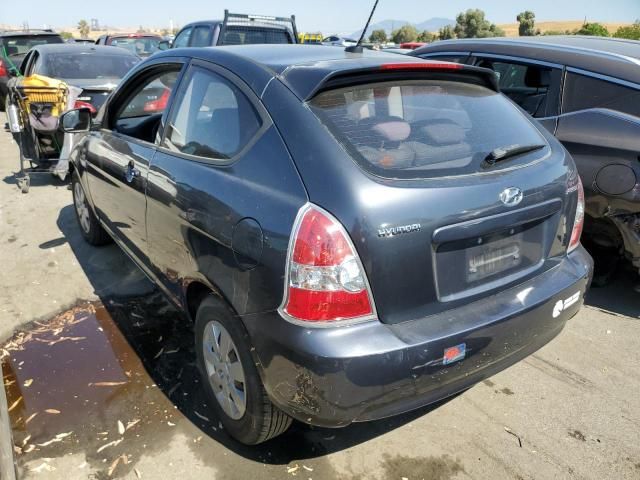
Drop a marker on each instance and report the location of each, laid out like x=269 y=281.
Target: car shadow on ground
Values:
x=162 y=338
x=619 y=296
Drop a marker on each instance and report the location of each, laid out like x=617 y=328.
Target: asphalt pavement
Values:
x=100 y=380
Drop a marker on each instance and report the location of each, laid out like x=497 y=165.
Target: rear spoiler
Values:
x=247 y=20
x=410 y=70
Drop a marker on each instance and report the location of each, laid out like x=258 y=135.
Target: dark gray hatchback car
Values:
x=586 y=91
x=354 y=235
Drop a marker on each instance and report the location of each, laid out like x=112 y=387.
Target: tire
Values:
x=260 y=420
x=89 y=225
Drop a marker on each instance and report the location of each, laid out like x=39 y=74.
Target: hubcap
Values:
x=224 y=370
x=82 y=209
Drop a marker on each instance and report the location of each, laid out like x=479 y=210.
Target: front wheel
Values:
x=230 y=378
x=90 y=227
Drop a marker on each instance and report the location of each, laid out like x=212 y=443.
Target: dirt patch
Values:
x=578 y=435
x=441 y=467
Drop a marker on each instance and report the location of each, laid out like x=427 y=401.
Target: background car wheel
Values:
x=230 y=378
x=90 y=227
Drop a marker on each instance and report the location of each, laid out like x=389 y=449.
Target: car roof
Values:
x=56 y=48
x=132 y=35
x=303 y=68
x=26 y=33
x=615 y=57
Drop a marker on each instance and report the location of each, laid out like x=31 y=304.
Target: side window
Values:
x=213 y=118
x=26 y=63
x=535 y=88
x=182 y=40
x=38 y=65
x=582 y=92
x=201 y=37
x=138 y=115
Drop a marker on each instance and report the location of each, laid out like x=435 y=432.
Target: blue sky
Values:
x=328 y=16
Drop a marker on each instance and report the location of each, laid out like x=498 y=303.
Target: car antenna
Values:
x=357 y=48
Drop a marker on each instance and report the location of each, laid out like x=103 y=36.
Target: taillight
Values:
x=325 y=279
x=578 y=223
x=3 y=69
x=158 y=104
x=81 y=104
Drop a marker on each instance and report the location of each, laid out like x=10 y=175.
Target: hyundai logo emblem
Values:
x=511 y=196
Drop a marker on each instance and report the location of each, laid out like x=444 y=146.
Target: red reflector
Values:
x=316 y=306
x=81 y=104
x=158 y=105
x=421 y=66
x=3 y=69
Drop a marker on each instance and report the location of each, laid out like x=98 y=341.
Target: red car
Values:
x=142 y=44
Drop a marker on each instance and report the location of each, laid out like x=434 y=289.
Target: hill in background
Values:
x=431 y=25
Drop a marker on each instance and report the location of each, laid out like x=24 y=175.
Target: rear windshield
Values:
x=254 y=35
x=20 y=45
x=425 y=128
x=144 y=46
x=87 y=66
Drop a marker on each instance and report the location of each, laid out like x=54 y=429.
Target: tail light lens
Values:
x=325 y=278
x=81 y=104
x=578 y=223
x=158 y=105
x=3 y=70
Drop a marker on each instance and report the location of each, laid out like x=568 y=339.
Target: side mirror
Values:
x=76 y=121
x=164 y=45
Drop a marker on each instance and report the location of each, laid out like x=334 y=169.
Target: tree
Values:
x=66 y=35
x=527 y=27
x=83 y=28
x=446 y=33
x=407 y=33
x=426 y=37
x=378 y=36
x=630 y=32
x=594 y=29
x=473 y=24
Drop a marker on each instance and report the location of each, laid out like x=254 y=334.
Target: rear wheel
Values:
x=90 y=227
x=230 y=378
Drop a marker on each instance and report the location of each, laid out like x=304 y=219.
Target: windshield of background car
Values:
x=254 y=35
x=88 y=66
x=425 y=128
x=143 y=46
x=20 y=45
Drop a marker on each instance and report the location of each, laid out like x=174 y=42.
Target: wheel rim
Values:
x=224 y=370
x=82 y=209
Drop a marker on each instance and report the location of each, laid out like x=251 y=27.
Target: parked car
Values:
x=14 y=45
x=237 y=29
x=354 y=236
x=336 y=41
x=142 y=44
x=586 y=91
x=52 y=79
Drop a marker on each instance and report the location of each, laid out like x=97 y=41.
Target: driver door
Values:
x=120 y=155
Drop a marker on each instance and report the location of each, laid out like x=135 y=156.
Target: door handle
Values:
x=132 y=172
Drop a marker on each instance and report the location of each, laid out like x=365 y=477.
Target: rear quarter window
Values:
x=582 y=92
x=425 y=128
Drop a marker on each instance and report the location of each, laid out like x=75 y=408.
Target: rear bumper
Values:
x=332 y=377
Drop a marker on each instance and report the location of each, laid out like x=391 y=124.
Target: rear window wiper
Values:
x=510 y=151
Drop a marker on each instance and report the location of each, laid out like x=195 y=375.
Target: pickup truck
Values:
x=236 y=29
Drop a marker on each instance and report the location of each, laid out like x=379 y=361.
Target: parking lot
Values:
x=101 y=381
